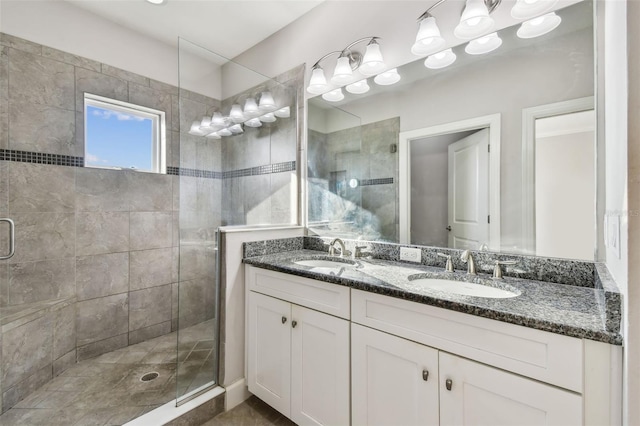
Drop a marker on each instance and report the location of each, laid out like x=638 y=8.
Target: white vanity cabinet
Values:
x=298 y=358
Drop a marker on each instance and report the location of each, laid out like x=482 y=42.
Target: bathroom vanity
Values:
x=337 y=341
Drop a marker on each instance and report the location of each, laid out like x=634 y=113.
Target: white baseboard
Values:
x=167 y=412
x=237 y=393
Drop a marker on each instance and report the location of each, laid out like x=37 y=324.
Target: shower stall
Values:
x=110 y=306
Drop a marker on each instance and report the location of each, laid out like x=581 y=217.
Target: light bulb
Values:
x=527 y=9
x=343 y=73
x=318 y=82
x=217 y=120
x=283 y=112
x=236 y=114
x=334 y=95
x=372 y=62
x=250 y=108
x=268 y=118
x=475 y=21
x=428 y=39
x=358 y=88
x=254 y=122
x=539 y=26
x=387 y=78
x=267 y=104
x=482 y=45
x=440 y=59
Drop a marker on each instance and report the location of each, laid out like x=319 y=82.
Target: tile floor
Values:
x=252 y=412
x=107 y=390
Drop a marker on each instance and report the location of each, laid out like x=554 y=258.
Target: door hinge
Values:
x=488 y=148
x=489 y=219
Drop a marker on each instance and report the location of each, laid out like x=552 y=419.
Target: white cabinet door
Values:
x=482 y=395
x=394 y=381
x=320 y=368
x=269 y=351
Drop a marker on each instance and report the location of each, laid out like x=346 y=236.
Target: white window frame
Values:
x=158 y=118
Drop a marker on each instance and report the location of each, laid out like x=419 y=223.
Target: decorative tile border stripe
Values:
x=369 y=182
x=182 y=171
x=40 y=158
x=287 y=166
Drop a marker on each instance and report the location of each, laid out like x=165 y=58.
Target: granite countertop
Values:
x=570 y=310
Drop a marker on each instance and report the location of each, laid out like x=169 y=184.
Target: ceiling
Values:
x=226 y=27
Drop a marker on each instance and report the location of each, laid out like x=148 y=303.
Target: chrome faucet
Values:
x=467 y=258
x=332 y=248
x=449 y=265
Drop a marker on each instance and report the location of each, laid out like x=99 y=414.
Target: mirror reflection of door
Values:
x=450 y=190
x=565 y=213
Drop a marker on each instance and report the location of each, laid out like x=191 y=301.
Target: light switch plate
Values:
x=411 y=254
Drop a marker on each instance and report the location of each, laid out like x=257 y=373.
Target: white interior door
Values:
x=469 y=191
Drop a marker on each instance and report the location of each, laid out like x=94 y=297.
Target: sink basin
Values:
x=462 y=288
x=325 y=263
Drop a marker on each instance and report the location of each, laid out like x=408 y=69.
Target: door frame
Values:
x=492 y=122
x=529 y=117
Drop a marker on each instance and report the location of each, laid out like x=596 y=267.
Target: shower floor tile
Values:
x=107 y=390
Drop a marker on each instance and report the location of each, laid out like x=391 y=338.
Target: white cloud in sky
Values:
x=94 y=159
x=107 y=114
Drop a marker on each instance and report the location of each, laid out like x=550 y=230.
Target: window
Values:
x=121 y=135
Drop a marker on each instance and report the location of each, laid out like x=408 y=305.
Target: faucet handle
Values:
x=497 y=270
x=449 y=265
x=357 y=251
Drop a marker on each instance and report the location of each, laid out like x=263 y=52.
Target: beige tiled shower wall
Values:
x=108 y=239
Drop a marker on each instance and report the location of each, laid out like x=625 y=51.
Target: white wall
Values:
x=234 y=342
x=565 y=188
x=62 y=26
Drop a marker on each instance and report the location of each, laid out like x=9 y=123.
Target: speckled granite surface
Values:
x=571 y=310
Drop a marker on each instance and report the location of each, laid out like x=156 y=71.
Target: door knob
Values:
x=448 y=228
x=425 y=375
x=294 y=323
x=448 y=384
x=284 y=319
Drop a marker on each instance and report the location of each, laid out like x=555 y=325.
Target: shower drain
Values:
x=149 y=376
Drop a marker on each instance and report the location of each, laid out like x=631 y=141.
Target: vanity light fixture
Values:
x=484 y=44
x=283 y=112
x=349 y=60
x=236 y=129
x=267 y=103
x=225 y=132
x=440 y=60
x=359 y=87
x=236 y=114
x=268 y=118
x=527 y=9
x=217 y=120
x=254 y=122
x=539 y=26
x=250 y=108
x=195 y=129
x=213 y=135
x=387 y=78
x=335 y=95
x=475 y=20
x=428 y=39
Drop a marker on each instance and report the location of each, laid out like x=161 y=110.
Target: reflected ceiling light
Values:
x=217 y=120
x=283 y=112
x=157 y=2
x=349 y=60
x=483 y=45
x=334 y=95
x=318 y=82
x=475 y=20
x=250 y=108
x=428 y=39
x=359 y=87
x=440 y=59
x=254 y=122
x=236 y=129
x=539 y=26
x=267 y=104
x=213 y=135
x=224 y=132
x=372 y=62
x=527 y=9
x=195 y=129
x=268 y=118
x=387 y=78
x=236 y=114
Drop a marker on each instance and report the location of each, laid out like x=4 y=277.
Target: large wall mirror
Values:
x=494 y=152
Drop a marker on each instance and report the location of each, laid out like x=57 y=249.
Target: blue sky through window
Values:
x=117 y=139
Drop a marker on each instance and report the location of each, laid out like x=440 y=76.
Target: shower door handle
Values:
x=12 y=241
